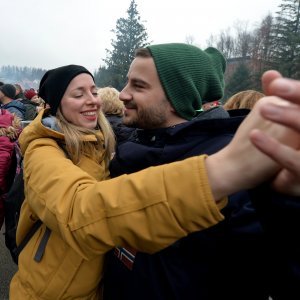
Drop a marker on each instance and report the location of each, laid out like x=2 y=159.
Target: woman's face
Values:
x=35 y=98
x=80 y=104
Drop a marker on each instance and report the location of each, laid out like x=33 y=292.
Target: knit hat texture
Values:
x=8 y=90
x=189 y=76
x=30 y=93
x=55 y=82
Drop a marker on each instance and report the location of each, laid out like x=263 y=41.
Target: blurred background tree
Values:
x=273 y=44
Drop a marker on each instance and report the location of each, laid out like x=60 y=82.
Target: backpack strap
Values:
x=43 y=243
x=42 y=246
x=28 y=236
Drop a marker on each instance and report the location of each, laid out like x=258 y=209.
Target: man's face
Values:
x=146 y=105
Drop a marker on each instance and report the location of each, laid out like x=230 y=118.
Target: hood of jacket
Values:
x=36 y=129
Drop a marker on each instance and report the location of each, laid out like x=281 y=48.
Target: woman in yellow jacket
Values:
x=66 y=154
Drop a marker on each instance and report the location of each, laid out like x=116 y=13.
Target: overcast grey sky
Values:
x=51 y=33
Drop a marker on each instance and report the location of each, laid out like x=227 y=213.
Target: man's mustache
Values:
x=130 y=105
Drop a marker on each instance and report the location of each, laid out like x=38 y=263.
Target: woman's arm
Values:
x=147 y=210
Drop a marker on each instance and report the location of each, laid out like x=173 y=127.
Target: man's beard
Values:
x=150 y=118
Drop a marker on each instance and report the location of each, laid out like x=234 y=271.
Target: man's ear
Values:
x=172 y=109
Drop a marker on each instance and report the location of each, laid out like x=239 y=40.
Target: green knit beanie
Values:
x=189 y=75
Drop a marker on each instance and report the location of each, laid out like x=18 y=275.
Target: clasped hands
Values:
x=287 y=113
x=265 y=146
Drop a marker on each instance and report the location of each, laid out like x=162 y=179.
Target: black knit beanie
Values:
x=8 y=90
x=55 y=82
x=189 y=75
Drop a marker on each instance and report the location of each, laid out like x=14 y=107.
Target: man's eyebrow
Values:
x=139 y=81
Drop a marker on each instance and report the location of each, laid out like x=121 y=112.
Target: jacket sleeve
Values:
x=147 y=210
x=6 y=151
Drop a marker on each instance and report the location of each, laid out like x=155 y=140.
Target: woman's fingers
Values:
x=287 y=89
x=288 y=179
x=284 y=155
x=266 y=80
x=287 y=157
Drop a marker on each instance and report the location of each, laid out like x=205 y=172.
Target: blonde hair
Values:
x=74 y=138
x=244 y=99
x=111 y=104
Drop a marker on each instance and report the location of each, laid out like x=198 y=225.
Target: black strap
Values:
x=42 y=246
x=28 y=236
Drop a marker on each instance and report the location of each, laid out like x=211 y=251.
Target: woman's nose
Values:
x=92 y=98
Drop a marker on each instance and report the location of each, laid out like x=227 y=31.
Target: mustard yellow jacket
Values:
x=88 y=215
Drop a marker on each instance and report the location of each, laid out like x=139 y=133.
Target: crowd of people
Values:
x=24 y=104
x=157 y=191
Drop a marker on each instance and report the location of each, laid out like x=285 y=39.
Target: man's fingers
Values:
x=287 y=183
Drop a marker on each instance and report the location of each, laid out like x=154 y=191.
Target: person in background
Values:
x=7 y=94
x=84 y=215
x=31 y=106
x=245 y=99
x=227 y=261
x=113 y=109
x=10 y=129
x=19 y=91
x=211 y=104
x=31 y=94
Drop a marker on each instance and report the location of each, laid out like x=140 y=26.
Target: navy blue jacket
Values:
x=231 y=260
x=122 y=132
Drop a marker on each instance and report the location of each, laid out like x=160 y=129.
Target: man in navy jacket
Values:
x=167 y=86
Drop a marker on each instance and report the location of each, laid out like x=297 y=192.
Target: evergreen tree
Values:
x=130 y=35
x=286 y=39
x=102 y=77
x=239 y=81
